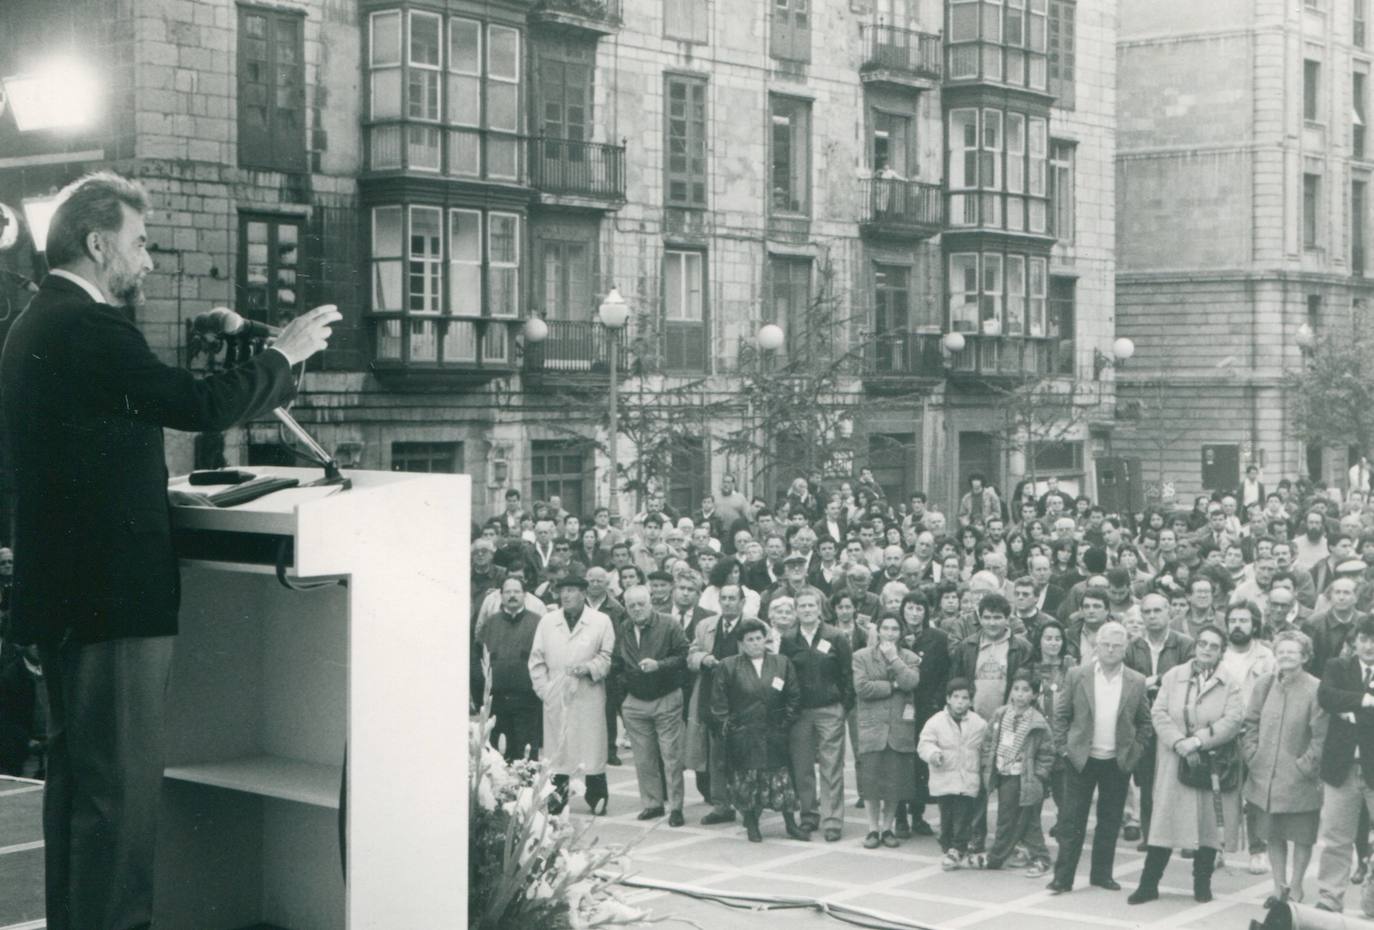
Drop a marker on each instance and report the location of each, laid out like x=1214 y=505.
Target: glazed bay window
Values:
x=441 y=283
x=995 y=294
x=999 y=41
x=444 y=95
x=998 y=174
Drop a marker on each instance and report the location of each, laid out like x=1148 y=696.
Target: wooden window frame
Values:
x=286 y=150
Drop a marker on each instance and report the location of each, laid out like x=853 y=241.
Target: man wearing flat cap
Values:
x=569 y=663
x=792 y=583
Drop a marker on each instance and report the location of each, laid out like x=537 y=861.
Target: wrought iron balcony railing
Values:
x=577 y=168
x=1005 y=357
x=892 y=206
x=904 y=51
x=576 y=349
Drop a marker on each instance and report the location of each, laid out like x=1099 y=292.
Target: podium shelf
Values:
x=270 y=776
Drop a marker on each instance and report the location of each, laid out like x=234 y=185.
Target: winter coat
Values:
x=1281 y=743
x=887 y=700
x=1037 y=755
x=574 y=706
x=964 y=661
x=960 y=769
x=1184 y=817
x=694 y=747
x=755 y=711
x=932 y=647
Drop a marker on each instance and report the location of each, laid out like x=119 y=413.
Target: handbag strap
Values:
x=1207 y=759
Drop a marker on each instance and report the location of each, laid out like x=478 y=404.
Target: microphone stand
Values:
x=332 y=475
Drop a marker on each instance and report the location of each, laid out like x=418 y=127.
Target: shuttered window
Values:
x=790 y=37
x=685 y=130
x=271 y=90
x=684 y=287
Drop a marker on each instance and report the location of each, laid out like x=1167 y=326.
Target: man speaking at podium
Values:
x=95 y=581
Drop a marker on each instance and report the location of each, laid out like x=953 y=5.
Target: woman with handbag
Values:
x=1197 y=718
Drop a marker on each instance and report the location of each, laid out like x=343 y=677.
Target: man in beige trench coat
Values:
x=569 y=662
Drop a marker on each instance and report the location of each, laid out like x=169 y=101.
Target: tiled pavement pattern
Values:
x=906 y=882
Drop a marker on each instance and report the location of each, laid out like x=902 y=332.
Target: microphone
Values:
x=221 y=321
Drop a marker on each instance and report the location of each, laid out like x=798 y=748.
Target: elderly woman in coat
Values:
x=755 y=699
x=1198 y=709
x=1285 y=730
x=569 y=661
x=885 y=680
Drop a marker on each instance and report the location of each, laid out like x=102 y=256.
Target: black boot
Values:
x=1203 y=863
x=751 y=828
x=597 y=793
x=1156 y=858
x=797 y=833
x=559 y=799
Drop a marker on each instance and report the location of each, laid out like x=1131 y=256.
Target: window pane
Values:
x=464 y=100
x=502 y=157
x=386 y=232
x=389 y=339
x=465 y=46
x=496 y=344
x=424 y=39
x=465 y=245
x=460 y=341
x=424 y=345
x=504 y=244
x=464 y=153
x=503 y=106
x=422 y=96
x=963 y=292
x=386 y=39
x=503 y=53
x=1016 y=290
x=672 y=285
x=505 y=292
x=423 y=144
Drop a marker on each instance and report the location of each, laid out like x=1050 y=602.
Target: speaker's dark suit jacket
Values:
x=1342 y=691
x=85 y=401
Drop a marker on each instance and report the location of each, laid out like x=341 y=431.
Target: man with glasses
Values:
x=1101 y=727
x=1282 y=612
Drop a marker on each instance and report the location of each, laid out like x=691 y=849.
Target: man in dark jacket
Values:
x=1347 y=763
x=650 y=663
x=96 y=581
x=1331 y=630
x=1153 y=654
x=825 y=669
x=507 y=637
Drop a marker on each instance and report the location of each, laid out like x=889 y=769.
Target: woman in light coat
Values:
x=885 y=680
x=1285 y=730
x=568 y=669
x=1198 y=708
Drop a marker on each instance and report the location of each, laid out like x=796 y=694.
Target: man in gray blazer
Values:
x=1102 y=727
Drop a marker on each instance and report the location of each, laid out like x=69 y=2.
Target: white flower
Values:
x=576 y=863
x=486 y=796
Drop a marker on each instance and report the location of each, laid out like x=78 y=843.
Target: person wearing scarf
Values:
x=1198 y=708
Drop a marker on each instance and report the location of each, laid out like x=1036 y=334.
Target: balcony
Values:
x=594 y=17
x=900 y=57
x=575 y=353
x=1004 y=358
x=896 y=360
x=572 y=173
x=898 y=209
x=442 y=351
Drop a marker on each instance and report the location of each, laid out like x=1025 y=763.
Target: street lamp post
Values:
x=613 y=313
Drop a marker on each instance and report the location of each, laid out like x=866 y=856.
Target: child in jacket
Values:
x=951 y=744
x=1018 y=757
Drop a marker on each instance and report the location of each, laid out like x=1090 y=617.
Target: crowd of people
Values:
x=1205 y=672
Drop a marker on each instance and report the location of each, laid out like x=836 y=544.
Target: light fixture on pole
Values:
x=770 y=337
x=1122 y=350
x=536 y=330
x=953 y=342
x=613 y=314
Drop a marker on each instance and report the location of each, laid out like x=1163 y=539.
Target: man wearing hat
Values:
x=569 y=663
x=661 y=590
x=792 y=583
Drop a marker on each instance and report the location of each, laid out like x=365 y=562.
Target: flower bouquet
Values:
x=528 y=867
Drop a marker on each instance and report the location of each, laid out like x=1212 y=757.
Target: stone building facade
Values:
x=870 y=174
x=1242 y=172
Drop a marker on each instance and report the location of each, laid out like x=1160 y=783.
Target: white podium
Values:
x=269 y=684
